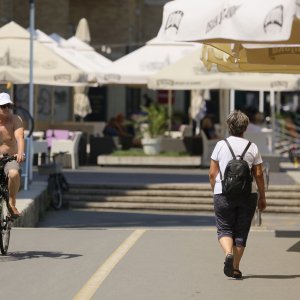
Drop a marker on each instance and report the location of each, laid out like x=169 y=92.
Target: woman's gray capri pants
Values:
x=234 y=217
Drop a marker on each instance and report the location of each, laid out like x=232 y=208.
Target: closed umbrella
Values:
x=82 y=106
x=83 y=31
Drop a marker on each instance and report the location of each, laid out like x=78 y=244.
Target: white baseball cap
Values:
x=5 y=99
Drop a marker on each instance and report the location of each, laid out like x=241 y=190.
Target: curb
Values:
x=32 y=204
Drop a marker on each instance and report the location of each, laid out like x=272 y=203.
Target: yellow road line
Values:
x=91 y=286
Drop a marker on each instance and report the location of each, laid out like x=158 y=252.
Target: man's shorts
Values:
x=11 y=165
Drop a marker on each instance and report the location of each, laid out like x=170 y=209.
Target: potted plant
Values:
x=151 y=126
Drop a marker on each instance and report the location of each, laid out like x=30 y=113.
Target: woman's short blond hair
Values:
x=237 y=123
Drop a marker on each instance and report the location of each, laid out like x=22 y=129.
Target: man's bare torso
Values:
x=8 y=142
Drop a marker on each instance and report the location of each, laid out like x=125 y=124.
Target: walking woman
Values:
x=234 y=214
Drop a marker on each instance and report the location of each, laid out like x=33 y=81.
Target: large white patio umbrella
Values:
x=61 y=47
x=135 y=67
x=271 y=28
x=49 y=68
x=190 y=73
x=99 y=61
x=268 y=21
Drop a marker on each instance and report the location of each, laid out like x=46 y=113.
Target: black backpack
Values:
x=238 y=178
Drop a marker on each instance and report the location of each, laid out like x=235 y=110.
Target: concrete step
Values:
x=141 y=199
x=173 y=186
x=169 y=197
x=141 y=206
x=75 y=192
x=167 y=207
x=142 y=192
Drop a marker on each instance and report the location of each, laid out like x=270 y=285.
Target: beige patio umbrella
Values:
x=269 y=54
x=49 y=68
x=191 y=72
x=263 y=64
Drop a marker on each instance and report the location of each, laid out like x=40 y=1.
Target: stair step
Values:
x=170 y=193
x=169 y=186
x=169 y=197
x=173 y=187
x=142 y=206
x=142 y=192
x=167 y=207
x=116 y=198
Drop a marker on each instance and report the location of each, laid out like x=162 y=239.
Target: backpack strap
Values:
x=246 y=149
x=232 y=153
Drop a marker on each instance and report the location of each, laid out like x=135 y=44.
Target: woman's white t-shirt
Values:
x=222 y=154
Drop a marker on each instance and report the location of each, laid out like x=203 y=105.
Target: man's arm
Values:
x=259 y=178
x=19 y=136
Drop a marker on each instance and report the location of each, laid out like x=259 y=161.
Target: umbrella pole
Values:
x=261 y=101
x=52 y=104
x=232 y=100
x=170 y=110
x=272 y=111
x=31 y=91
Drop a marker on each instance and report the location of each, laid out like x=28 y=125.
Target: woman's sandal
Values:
x=237 y=274
x=228 y=265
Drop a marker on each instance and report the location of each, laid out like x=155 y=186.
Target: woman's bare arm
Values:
x=259 y=178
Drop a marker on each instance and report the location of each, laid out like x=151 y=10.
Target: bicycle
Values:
x=57 y=183
x=6 y=220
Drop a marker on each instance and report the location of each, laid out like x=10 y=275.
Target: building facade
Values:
x=119 y=24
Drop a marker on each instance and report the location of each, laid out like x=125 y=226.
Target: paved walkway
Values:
x=192 y=269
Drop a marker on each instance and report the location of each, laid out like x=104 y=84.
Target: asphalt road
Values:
x=112 y=256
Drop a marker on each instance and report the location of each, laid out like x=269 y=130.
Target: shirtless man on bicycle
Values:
x=11 y=143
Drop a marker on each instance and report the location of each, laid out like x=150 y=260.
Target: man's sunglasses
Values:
x=5 y=106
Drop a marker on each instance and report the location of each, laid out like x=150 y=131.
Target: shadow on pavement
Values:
x=271 y=276
x=295 y=248
x=13 y=256
x=287 y=233
x=86 y=219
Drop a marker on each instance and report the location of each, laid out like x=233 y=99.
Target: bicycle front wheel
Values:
x=55 y=192
x=5 y=227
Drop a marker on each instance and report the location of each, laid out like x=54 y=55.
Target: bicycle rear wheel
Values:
x=55 y=192
x=5 y=227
